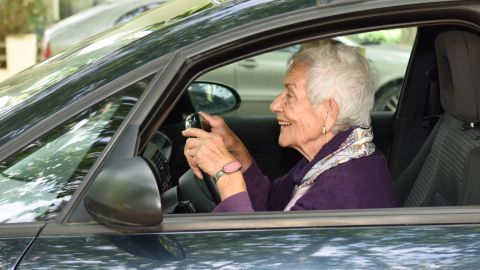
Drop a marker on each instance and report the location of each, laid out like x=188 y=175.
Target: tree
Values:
x=21 y=16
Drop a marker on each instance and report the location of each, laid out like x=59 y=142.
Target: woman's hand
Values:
x=232 y=143
x=205 y=151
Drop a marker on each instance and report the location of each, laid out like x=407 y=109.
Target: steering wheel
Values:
x=195 y=120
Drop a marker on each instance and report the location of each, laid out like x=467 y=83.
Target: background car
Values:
x=90 y=22
x=258 y=78
x=91 y=152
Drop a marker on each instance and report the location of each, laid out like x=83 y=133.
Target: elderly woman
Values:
x=324 y=113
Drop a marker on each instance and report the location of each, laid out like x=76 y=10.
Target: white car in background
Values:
x=90 y=22
x=259 y=79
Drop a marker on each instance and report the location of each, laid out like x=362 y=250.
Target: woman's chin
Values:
x=283 y=142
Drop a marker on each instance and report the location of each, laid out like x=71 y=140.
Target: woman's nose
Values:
x=275 y=106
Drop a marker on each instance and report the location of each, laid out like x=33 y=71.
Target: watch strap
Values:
x=228 y=168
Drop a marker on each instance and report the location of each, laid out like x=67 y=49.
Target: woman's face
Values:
x=300 y=124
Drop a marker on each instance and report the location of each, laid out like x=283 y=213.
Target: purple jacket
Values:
x=358 y=183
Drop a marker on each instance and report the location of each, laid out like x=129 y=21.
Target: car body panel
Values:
x=325 y=248
x=11 y=249
x=15 y=240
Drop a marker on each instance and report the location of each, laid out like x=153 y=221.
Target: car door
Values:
x=180 y=246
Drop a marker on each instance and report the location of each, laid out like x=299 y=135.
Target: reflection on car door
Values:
x=14 y=241
x=446 y=247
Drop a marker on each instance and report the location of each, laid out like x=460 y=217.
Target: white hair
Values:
x=341 y=73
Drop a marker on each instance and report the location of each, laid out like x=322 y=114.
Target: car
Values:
x=90 y=22
x=92 y=172
x=389 y=61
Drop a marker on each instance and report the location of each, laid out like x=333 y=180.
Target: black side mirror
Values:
x=125 y=195
x=213 y=98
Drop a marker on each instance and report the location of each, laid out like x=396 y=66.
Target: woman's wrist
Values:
x=244 y=157
x=231 y=184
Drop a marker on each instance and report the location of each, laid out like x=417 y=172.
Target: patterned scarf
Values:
x=358 y=144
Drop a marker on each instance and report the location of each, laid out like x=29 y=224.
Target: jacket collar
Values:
x=304 y=165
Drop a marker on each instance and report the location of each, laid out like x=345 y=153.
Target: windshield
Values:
x=39 y=180
x=34 y=182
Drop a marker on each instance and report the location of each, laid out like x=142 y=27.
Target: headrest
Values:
x=458 y=60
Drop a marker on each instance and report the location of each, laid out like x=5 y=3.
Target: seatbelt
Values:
x=432 y=107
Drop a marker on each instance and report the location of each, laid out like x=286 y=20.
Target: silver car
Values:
x=90 y=22
x=264 y=74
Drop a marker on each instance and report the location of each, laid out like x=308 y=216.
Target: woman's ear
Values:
x=331 y=115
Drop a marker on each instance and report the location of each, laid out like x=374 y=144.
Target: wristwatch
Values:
x=228 y=168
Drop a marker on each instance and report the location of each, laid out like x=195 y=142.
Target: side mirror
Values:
x=213 y=98
x=125 y=195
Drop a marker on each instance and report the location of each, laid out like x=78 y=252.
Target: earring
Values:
x=324 y=130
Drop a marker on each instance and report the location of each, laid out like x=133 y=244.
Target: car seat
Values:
x=447 y=167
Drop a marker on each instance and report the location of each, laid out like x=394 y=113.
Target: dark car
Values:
x=92 y=172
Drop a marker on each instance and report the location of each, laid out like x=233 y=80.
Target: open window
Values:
x=258 y=79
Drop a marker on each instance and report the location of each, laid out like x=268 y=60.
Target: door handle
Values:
x=248 y=63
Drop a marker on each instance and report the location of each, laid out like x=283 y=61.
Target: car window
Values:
x=259 y=79
x=39 y=180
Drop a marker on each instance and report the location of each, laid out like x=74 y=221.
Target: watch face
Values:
x=232 y=167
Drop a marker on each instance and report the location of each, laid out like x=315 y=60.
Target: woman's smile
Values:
x=284 y=123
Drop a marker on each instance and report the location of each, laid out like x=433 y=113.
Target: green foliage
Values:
x=391 y=36
x=21 y=16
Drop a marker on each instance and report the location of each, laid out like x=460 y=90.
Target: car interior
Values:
x=431 y=141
